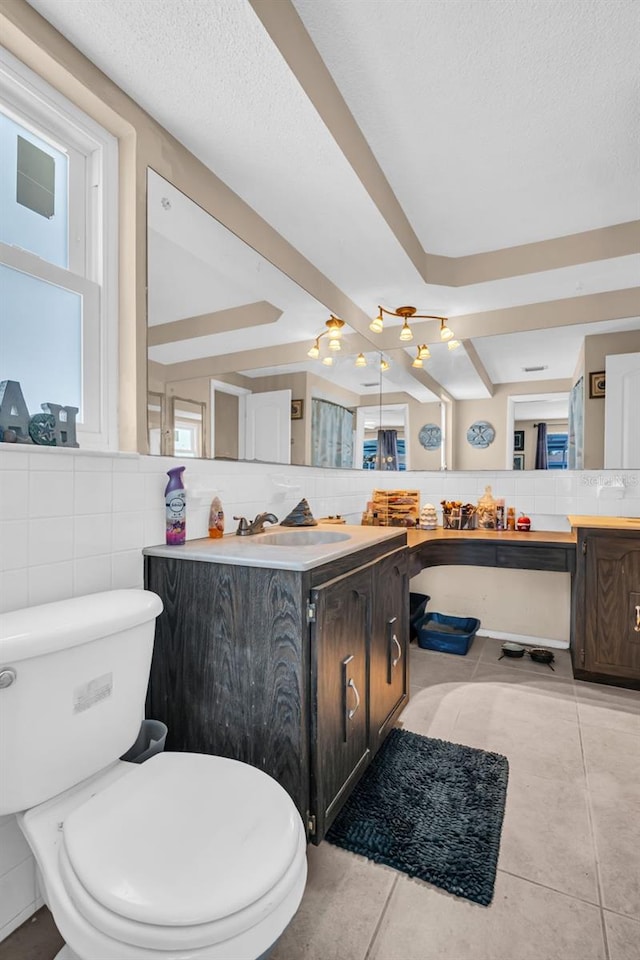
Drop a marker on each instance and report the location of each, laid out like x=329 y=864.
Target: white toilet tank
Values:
x=73 y=681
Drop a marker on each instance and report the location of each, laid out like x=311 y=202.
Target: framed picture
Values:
x=597 y=384
x=518 y=461
x=297 y=409
x=518 y=440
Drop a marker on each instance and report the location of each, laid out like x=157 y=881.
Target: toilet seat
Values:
x=188 y=851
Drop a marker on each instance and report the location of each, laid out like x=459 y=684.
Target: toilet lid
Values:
x=185 y=839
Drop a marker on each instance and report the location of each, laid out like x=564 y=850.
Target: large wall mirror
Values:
x=230 y=376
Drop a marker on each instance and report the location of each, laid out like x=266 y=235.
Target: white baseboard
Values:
x=20 y=918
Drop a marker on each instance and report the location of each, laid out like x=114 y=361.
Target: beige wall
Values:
x=531 y=603
x=225 y=426
x=494 y=410
x=596 y=350
x=531 y=437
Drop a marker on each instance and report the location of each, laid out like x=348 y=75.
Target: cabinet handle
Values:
x=351 y=713
x=396 y=661
x=637 y=626
x=347 y=713
x=391 y=640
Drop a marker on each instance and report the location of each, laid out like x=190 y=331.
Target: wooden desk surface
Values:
x=415 y=538
x=607 y=523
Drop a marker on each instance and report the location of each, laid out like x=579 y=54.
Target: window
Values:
x=58 y=254
x=557 y=451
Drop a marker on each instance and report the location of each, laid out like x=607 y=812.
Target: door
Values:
x=268 y=426
x=339 y=727
x=612 y=598
x=388 y=672
x=621 y=422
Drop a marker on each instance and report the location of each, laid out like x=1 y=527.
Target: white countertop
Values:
x=249 y=552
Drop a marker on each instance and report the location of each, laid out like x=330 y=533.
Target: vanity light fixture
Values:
x=328 y=361
x=405 y=313
x=334 y=330
x=453 y=344
x=417 y=362
x=423 y=352
x=361 y=360
x=384 y=364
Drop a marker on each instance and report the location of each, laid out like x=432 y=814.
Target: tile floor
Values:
x=568 y=883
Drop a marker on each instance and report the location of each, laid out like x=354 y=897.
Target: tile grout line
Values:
x=545 y=886
x=594 y=843
x=383 y=912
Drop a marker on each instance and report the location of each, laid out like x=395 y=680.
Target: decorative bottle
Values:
x=486 y=511
x=175 y=499
x=216 y=519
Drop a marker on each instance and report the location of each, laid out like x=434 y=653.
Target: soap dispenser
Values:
x=216 y=519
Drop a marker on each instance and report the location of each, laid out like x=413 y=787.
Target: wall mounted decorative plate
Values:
x=480 y=434
x=430 y=436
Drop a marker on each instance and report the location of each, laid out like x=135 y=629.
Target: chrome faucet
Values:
x=246 y=529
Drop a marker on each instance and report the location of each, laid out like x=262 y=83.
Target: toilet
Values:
x=184 y=857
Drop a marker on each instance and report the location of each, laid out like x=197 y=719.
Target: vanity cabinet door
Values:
x=388 y=675
x=612 y=605
x=339 y=722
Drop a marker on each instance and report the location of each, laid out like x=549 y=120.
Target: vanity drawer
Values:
x=531 y=557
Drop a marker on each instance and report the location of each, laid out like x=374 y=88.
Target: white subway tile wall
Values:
x=73 y=523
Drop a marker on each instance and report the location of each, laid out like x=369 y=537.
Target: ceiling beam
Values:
x=287 y=31
x=272 y=356
x=478 y=365
x=220 y=321
x=402 y=358
x=283 y=24
x=605 y=243
x=611 y=305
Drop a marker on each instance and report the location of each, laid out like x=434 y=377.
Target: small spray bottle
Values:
x=216 y=519
x=175 y=499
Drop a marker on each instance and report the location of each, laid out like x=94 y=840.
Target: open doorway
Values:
x=524 y=413
x=369 y=420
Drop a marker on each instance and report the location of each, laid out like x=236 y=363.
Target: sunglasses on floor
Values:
x=537 y=654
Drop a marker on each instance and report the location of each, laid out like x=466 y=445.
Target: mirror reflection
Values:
x=244 y=366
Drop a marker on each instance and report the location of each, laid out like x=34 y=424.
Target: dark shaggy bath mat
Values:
x=431 y=809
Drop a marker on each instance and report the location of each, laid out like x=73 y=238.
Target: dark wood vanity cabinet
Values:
x=389 y=672
x=606 y=607
x=339 y=722
x=301 y=674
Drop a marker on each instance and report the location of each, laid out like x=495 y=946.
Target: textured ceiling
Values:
x=495 y=123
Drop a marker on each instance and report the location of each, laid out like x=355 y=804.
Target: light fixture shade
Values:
x=328 y=361
x=384 y=364
x=445 y=332
x=314 y=352
x=423 y=352
x=405 y=333
x=334 y=344
x=361 y=360
x=417 y=362
x=377 y=325
x=453 y=344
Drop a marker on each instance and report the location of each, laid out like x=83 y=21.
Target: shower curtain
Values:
x=387 y=450
x=331 y=435
x=542 y=459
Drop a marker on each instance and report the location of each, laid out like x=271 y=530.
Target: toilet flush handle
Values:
x=7 y=677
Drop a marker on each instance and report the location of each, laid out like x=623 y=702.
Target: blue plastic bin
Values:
x=447 y=634
x=417 y=606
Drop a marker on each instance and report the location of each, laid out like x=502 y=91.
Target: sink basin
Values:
x=303 y=538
